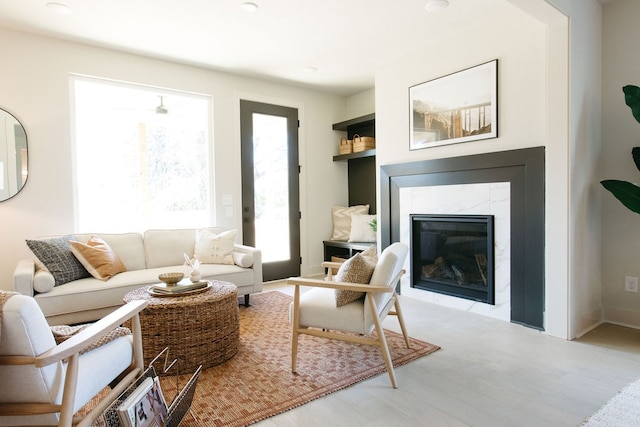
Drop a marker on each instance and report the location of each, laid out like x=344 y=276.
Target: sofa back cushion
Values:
x=128 y=246
x=167 y=247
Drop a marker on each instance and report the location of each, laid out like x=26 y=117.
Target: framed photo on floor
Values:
x=459 y=107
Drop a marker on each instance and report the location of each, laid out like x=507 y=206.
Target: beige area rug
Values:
x=622 y=410
x=257 y=382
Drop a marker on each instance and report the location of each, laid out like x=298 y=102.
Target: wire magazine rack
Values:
x=177 y=408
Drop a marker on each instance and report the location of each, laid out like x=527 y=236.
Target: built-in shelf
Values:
x=351 y=156
x=363 y=121
x=361 y=180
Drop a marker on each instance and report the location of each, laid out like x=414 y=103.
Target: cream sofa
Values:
x=144 y=256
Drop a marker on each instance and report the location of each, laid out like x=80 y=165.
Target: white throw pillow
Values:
x=361 y=228
x=214 y=248
x=342 y=220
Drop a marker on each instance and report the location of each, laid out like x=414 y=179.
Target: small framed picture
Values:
x=459 y=107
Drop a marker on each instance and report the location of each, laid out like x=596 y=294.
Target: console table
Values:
x=343 y=249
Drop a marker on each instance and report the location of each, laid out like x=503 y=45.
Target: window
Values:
x=141 y=157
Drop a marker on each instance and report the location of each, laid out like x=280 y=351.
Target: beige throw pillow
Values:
x=98 y=258
x=342 y=220
x=214 y=248
x=357 y=269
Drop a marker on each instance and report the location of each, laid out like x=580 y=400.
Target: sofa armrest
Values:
x=257 y=261
x=23 y=277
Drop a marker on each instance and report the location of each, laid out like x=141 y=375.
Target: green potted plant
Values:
x=626 y=192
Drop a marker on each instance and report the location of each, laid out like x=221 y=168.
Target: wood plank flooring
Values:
x=488 y=373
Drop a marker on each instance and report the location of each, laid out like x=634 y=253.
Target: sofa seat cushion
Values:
x=228 y=273
x=93 y=294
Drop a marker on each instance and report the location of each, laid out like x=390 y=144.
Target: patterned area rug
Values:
x=257 y=382
x=622 y=410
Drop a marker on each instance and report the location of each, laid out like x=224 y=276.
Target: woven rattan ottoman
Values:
x=199 y=329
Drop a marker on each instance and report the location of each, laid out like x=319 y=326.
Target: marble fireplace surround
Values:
x=520 y=173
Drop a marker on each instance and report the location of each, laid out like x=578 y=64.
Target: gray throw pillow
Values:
x=57 y=257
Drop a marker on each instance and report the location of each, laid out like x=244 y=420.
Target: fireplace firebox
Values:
x=453 y=255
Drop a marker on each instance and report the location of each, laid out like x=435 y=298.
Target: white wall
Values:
x=531 y=42
x=584 y=150
x=34 y=87
x=620 y=133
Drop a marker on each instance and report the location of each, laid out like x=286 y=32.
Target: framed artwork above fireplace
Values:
x=459 y=107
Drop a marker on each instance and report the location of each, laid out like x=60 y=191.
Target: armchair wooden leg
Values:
x=401 y=320
x=382 y=342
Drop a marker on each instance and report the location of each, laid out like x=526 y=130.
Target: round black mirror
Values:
x=13 y=156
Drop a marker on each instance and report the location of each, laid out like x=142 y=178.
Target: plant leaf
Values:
x=635 y=152
x=632 y=99
x=626 y=192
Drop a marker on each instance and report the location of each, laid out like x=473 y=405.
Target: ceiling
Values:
x=344 y=41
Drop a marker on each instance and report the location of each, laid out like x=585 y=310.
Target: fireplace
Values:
x=519 y=221
x=453 y=255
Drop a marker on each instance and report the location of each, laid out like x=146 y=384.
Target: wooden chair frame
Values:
x=369 y=290
x=70 y=349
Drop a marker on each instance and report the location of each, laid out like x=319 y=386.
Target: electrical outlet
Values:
x=631 y=284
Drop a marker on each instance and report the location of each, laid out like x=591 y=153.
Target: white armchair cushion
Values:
x=315 y=305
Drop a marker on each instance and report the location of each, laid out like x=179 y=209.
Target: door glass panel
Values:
x=271 y=183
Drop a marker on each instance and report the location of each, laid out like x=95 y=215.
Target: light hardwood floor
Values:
x=487 y=373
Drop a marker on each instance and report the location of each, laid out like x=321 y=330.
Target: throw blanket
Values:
x=64 y=332
x=4 y=296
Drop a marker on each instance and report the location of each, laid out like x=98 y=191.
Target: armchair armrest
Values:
x=23 y=277
x=93 y=333
x=318 y=283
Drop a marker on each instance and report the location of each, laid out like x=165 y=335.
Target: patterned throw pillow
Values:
x=98 y=258
x=342 y=220
x=371 y=254
x=57 y=257
x=356 y=269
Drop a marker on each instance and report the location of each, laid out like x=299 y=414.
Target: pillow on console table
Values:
x=361 y=230
x=56 y=256
x=214 y=248
x=342 y=220
x=98 y=258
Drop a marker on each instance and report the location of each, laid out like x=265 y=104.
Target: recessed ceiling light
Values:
x=249 y=6
x=59 y=8
x=436 y=5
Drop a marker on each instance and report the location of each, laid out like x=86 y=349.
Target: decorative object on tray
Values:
x=195 y=268
x=363 y=143
x=145 y=406
x=171 y=279
x=185 y=286
x=460 y=107
x=346 y=146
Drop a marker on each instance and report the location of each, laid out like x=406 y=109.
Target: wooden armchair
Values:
x=315 y=313
x=44 y=383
